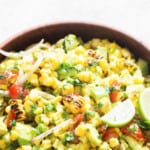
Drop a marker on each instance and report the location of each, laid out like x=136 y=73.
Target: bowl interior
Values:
x=53 y=32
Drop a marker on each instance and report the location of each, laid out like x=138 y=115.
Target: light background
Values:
x=131 y=16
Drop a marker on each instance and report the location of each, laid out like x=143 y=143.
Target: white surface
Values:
x=131 y=16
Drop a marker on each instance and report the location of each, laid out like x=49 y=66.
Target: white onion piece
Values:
x=10 y=54
x=42 y=94
x=36 y=65
x=4 y=93
x=52 y=130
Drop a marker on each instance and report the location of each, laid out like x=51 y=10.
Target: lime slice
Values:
x=144 y=105
x=120 y=115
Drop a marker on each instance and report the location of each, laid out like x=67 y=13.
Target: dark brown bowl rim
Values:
x=39 y=27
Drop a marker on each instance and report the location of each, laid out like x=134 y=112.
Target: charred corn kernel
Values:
x=33 y=79
x=125 y=53
x=27 y=105
x=104 y=146
x=39 y=110
x=105 y=105
x=13 y=135
x=79 y=50
x=2 y=144
x=67 y=89
x=80 y=130
x=46 y=144
x=113 y=142
x=84 y=76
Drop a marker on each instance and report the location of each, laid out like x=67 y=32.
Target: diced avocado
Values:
x=70 y=42
x=66 y=70
x=133 y=144
x=98 y=92
x=143 y=66
x=93 y=135
x=42 y=128
x=102 y=51
x=3 y=127
x=25 y=133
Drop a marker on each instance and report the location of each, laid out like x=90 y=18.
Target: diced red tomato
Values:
x=109 y=133
x=113 y=95
x=11 y=116
x=15 y=91
x=25 y=92
x=134 y=131
x=79 y=118
x=115 y=84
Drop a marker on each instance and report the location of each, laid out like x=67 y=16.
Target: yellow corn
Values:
x=33 y=79
x=84 y=76
x=2 y=144
x=67 y=89
x=13 y=135
x=113 y=142
x=46 y=144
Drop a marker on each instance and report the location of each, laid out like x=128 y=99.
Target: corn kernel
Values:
x=67 y=89
x=44 y=119
x=80 y=130
x=106 y=105
x=84 y=76
x=33 y=79
x=46 y=144
x=79 y=50
x=27 y=105
x=104 y=146
x=7 y=109
x=39 y=110
x=13 y=135
x=2 y=144
x=113 y=142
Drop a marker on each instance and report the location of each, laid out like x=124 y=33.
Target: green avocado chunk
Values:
x=133 y=144
x=143 y=66
x=25 y=133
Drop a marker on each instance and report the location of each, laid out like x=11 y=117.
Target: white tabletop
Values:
x=131 y=16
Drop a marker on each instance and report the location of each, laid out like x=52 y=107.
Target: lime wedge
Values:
x=120 y=115
x=144 y=105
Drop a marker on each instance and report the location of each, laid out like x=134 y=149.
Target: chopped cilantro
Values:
x=65 y=115
x=2 y=76
x=49 y=108
x=88 y=115
x=99 y=105
x=13 y=122
x=68 y=137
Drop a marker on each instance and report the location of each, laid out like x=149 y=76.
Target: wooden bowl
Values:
x=53 y=32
